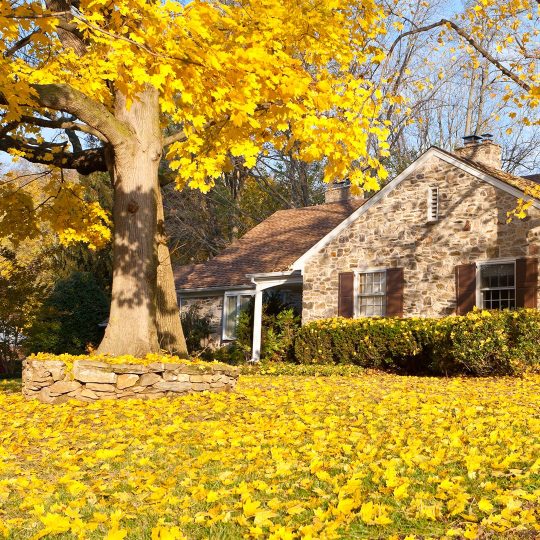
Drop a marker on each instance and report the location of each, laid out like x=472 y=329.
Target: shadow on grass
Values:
x=10 y=385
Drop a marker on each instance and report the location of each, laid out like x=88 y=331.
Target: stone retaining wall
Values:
x=51 y=382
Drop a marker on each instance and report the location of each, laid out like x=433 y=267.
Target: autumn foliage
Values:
x=281 y=458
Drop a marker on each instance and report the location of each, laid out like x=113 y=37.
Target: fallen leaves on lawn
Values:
x=283 y=457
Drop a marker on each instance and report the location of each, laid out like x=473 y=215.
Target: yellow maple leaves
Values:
x=396 y=452
x=227 y=74
x=43 y=202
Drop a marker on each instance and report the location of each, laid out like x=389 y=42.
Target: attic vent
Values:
x=433 y=203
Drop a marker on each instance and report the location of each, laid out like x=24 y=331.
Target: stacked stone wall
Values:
x=50 y=381
x=395 y=232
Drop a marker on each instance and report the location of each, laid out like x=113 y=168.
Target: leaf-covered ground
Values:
x=370 y=456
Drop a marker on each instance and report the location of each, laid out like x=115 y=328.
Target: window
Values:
x=433 y=204
x=233 y=304
x=497 y=284
x=371 y=294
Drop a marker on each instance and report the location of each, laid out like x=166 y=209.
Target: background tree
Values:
x=69 y=319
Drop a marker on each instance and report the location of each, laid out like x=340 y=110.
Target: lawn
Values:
x=369 y=456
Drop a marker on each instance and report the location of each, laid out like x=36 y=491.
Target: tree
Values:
x=68 y=321
x=227 y=79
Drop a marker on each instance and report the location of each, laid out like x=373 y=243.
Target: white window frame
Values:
x=229 y=294
x=356 y=290
x=433 y=206
x=491 y=262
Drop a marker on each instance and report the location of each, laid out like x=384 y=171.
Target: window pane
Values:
x=244 y=301
x=497 y=275
x=497 y=286
x=371 y=283
x=229 y=322
x=371 y=306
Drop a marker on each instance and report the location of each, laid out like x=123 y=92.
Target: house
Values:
x=432 y=242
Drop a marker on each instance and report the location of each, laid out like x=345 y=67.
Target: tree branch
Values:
x=62 y=123
x=85 y=162
x=483 y=51
x=20 y=44
x=62 y=97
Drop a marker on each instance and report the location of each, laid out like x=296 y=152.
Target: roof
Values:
x=527 y=184
x=271 y=246
x=288 y=238
x=534 y=177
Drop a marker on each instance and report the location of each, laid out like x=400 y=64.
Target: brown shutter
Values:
x=346 y=294
x=526 y=282
x=394 y=292
x=465 y=288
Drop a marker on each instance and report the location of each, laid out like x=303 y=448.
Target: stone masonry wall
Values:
x=395 y=233
x=50 y=381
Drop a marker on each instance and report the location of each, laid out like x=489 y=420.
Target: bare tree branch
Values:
x=20 y=44
x=482 y=50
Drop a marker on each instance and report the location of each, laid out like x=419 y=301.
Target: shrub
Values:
x=479 y=343
x=196 y=328
x=68 y=320
x=280 y=323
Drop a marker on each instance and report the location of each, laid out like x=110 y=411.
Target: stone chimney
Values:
x=340 y=191
x=482 y=150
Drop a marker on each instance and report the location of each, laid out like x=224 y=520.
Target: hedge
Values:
x=480 y=343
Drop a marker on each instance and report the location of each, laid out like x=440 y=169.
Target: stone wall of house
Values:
x=51 y=382
x=211 y=307
x=395 y=233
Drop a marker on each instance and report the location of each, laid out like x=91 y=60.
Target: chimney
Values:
x=340 y=191
x=481 y=149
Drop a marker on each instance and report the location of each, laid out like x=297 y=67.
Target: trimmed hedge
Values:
x=480 y=343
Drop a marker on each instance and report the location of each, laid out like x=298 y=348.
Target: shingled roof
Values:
x=271 y=246
x=527 y=184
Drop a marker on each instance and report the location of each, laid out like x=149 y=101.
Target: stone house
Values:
x=434 y=241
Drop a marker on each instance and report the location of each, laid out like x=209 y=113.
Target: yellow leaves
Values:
x=263 y=518
x=54 y=524
x=345 y=506
x=485 y=505
x=374 y=514
x=399 y=449
x=163 y=532
x=250 y=507
x=116 y=534
x=39 y=203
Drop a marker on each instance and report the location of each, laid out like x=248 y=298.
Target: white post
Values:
x=257 y=326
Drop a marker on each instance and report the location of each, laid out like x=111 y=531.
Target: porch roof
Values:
x=271 y=246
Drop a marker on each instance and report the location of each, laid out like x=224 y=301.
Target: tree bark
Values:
x=169 y=327
x=132 y=321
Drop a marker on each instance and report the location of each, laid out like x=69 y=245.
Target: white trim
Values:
x=214 y=291
x=273 y=275
x=370 y=269
x=262 y=283
x=257 y=327
x=428 y=154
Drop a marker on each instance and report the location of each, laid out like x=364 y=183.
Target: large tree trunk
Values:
x=132 y=321
x=169 y=328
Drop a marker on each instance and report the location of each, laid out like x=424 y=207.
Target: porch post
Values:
x=257 y=326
